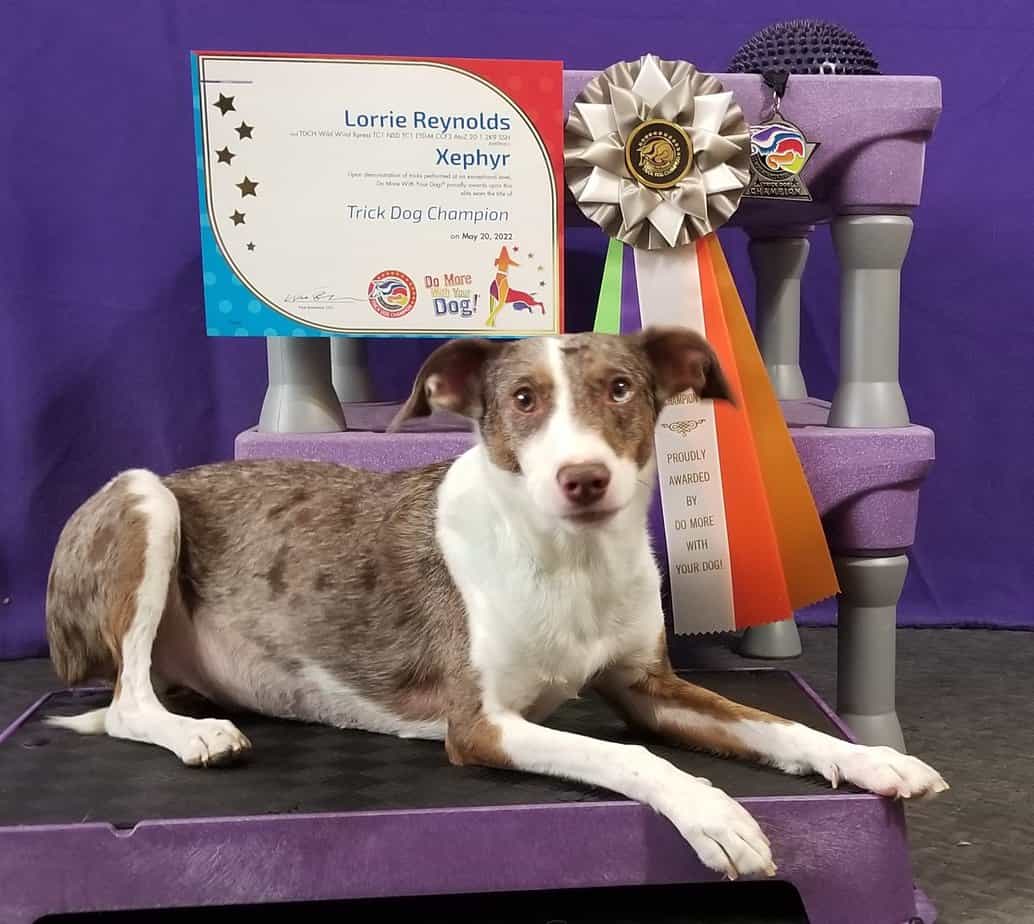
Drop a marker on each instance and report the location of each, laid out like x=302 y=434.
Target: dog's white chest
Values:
x=544 y=619
x=536 y=646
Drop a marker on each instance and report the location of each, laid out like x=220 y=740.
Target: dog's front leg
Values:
x=723 y=834
x=661 y=702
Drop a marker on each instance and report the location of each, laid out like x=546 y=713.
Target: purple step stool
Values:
x=319 y=814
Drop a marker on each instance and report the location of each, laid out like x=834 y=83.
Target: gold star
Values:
x=224 y=104
x=247 y=187
x=244 y=130
x=225 y=155
x=251 y=245
x=237 y=218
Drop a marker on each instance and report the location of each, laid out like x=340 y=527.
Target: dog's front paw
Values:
x=888 y=772
x=723 y=833
x=212 y=743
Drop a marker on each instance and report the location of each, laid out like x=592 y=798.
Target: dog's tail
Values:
x=89 y=723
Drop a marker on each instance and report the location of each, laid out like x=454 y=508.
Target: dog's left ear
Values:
x=450 y=380
x=682 y=360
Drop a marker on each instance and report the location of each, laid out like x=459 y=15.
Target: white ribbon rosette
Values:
x=656 y=153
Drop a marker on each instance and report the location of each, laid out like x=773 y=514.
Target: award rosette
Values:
x=658 y=155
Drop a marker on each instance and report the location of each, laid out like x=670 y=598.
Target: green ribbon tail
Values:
x=608 y=308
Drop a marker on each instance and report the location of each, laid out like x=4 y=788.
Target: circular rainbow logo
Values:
x=392 y=294
x=780 y=147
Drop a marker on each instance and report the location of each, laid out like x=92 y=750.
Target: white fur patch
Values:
x=161 y=513
x=89 y=723
x=136 y=712
x=720 y=830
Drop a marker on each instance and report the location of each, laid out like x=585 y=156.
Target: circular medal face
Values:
x=658 y=153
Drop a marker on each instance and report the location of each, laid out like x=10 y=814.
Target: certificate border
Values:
x=202 y=57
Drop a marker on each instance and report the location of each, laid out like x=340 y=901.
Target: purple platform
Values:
x=845 y=852
x=865 y=482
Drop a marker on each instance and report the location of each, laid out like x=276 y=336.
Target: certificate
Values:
x=358 y=196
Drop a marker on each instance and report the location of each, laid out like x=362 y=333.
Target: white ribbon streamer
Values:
x=688 y=463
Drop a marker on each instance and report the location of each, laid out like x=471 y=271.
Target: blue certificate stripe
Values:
x=231 y=309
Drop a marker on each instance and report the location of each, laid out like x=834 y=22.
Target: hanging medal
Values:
x=779 y=151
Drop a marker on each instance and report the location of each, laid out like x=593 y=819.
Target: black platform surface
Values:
x=50 y=775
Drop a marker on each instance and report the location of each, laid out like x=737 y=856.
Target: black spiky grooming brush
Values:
x=804 y=46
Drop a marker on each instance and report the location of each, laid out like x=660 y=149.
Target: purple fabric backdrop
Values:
x=104 y=364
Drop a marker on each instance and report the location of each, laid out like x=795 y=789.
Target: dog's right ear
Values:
x=450 y=380
x=682 y=359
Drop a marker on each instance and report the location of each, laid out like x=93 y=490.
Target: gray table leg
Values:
x=867 y=645
x=300 y=397
x=778 y=264
x=775 y=641
x=871 y=249
x=349 y=370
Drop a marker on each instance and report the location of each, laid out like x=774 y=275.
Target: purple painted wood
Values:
x=847 y=855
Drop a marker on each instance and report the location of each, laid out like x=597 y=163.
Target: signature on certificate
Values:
x=319 y=296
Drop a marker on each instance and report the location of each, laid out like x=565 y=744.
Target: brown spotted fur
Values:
x=92 y=585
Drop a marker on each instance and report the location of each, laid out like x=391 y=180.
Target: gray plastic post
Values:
x=866 y=646
x=778 y=265
x=300 y=397
x=776 y=641
x=349 y=370
x=871 y=249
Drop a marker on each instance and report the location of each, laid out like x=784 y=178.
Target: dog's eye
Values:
x=620 y=390
x=524 y=398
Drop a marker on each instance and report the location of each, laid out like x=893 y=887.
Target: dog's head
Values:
x=570 y=418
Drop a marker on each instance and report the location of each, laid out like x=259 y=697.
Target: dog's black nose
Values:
x=584 y=484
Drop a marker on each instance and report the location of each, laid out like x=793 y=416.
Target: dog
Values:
x=462 y=601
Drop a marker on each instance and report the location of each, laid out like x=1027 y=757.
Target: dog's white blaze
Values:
x=565 y=440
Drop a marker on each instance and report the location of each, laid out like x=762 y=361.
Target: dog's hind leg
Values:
x=149 y=537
